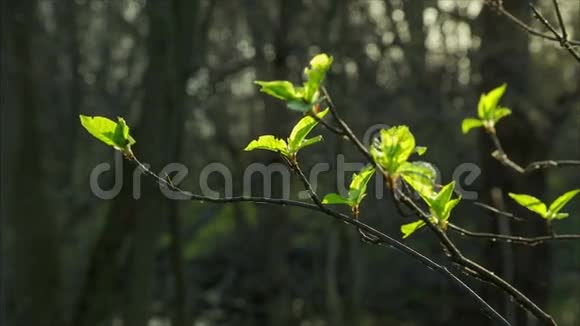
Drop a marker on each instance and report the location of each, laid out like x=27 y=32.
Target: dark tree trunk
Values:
x=34 y=248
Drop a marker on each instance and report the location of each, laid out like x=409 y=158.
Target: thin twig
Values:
x=533 y=241
x=560 y=19
x=560 y=38
x=378 y=237
x=449 y=247
x=326 y=125
x=497 y=211
x=500 y=155
x=556 y=38
x=457 y=257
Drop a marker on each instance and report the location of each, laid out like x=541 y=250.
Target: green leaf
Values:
x=530 y=202
x=494 y=96
x=561 y=201
x=410 y=228
x=448 y=208
x=358 y=185
x=420 y=150
x=393 y=148
x=301 y=130
x=280 y=89
x=443 y=196
x=299 y=106
x=269 y=143
x=481 y=108
x=121 y=134
x=115 y=134
x=500 y=113
x=311 y=141
x=333 y=198
x=469 y=124
x=488 y=102
x=419 y=175
x=315 y=74
x=560 y=216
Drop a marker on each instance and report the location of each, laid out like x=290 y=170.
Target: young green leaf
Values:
x=296 y=141
x=410 y=228
x=439 y=202
x=419 y=175
x=280 y=89
x=530 y=202
x=268 y=143
x=301 y=99
x=500 y=113
x=115 y=134
x=311 y=141
x=393 y=148
x=315 y=74
x=420 y=150
x=357 y=190
x=299 y=106
x=487 y=111
x=333 y=198
x=358 y=185
x=561 y=201
x=449 y=206
x=491 y=100
x=560 y=216
x=470 y=123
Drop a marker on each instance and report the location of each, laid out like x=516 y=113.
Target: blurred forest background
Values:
x=181 y=73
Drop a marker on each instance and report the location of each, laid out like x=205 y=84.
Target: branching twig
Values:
x=497 y=211
x=562 y=39
x=500 y=155
x=378 y=237
x=325 y=124
x=449 y=247
x=512 y=239
x=457 y=257
x=555 y=37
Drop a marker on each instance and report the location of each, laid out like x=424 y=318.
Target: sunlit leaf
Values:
x=481 y=108
x=115 y=134
x=333 y=198
x=487 y=105
x=315 y=74
x=561 y=201
x=420 y=150
x=311 y=141
x=394 y=147
x=492 y=98
x=419 y=175
x=301 y=131
x=530 y=202
x=358 y=185
x=469 y=124
x=443 y=197
x=280 y=89
x=448 y=208
x=410 y=228
x=500 y=113
x=560 y=216
x=268 y=143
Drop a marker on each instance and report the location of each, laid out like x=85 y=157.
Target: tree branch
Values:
x=500 y=155
x=378 y=237
x=512 y=239
x=449 y=247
